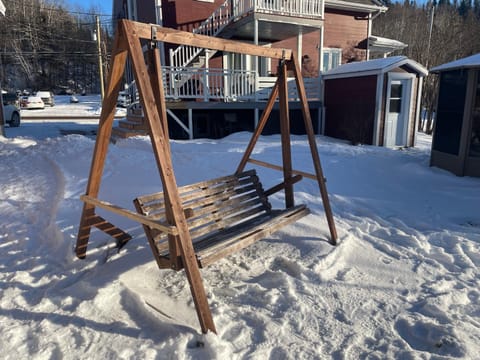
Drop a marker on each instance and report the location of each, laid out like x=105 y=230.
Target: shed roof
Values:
x=374 y=67
x=465 y=63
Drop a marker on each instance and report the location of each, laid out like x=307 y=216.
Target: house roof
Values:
x=465 y=63
x=374 y=67
x=369 y=6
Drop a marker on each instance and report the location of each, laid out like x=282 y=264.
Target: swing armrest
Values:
x=162 y=226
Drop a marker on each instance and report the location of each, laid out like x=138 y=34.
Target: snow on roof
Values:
x=373 y=67
x=468 y=62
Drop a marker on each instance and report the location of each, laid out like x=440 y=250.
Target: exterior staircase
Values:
x=133 y=125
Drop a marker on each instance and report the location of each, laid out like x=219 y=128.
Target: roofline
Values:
x=347 y=5
x=420 y=69
x=438 y=69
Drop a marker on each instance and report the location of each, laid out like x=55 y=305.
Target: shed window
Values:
x=395 y=98
x=451 y=106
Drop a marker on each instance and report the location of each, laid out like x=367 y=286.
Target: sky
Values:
x=105 y=6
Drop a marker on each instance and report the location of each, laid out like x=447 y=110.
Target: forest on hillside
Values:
x=436 y=32
x=46 y=45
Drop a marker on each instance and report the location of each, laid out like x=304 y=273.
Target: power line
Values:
x=61 y=9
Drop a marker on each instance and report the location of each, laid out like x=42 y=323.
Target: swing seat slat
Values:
x=224 y=215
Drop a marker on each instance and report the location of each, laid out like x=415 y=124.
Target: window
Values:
x=331 y=58
x=396 y=98
x=450 y=110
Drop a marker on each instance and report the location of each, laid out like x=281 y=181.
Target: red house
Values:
x=211 y=91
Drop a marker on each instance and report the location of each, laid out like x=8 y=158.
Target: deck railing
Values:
x=296 y=8
x=227 y=85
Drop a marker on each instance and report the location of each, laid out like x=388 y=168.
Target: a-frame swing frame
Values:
x=149 y=82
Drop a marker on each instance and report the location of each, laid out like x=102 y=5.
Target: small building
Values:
x=456 y=137
x=375 y=102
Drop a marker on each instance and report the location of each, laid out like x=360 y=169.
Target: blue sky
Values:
x=105 y=5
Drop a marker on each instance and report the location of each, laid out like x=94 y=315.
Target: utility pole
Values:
x=100 y=62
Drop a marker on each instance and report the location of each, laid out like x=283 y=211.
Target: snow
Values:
x=372 y=67
x=403 y=281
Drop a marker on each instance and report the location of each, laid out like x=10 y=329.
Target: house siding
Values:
x=187 y=14
x=348 y=31
x=350 y=108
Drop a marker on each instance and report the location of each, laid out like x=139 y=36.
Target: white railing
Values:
x=233 y=9
x=312 y=88
x=208 y=84
x=296 y=8
x=224 y=85
x=228 y=85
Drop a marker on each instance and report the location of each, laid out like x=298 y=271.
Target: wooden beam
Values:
x=279 y=168
x=283 y=185
x=285 y=134
x=161 y=149
x=166 y=228
x=109 y=106
x=313 y=149
x=144 y=31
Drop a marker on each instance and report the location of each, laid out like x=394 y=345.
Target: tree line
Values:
x=436 y=32
x=45 y=45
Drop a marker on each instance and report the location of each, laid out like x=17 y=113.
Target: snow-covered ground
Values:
x=403 y=283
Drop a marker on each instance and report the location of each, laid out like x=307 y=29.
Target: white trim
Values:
x=406 y=109
x=347 y=5
x=374 y=67
x=378 y=110
x=418 y=109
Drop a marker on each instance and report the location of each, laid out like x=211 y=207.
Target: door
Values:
x=398 y=109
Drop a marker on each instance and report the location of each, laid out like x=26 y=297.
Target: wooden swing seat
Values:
x=224 y=215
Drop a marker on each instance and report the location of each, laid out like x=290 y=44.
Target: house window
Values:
x=331 y=58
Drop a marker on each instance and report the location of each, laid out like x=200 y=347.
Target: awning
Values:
x=384 y=45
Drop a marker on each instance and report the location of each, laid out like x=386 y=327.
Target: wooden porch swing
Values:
x=192 y=226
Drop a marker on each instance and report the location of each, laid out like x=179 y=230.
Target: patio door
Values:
x=398 y=108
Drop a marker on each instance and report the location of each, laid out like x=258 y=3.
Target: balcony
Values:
x=275 y=19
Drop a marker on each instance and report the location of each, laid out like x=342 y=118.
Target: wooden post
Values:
x=161 y=150
x=313 y=149
x=285 y=135
x=107 y=115
x=156 y=79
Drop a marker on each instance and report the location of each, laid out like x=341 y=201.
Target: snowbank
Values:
x=402 y=283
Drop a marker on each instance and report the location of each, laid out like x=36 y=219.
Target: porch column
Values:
x=320 y=52
x=300 y=44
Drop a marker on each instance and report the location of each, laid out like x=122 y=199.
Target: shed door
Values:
x=397 y=111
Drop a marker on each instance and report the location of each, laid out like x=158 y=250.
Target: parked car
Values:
x=32 y=102
x=11 y=112
x=47 y=97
